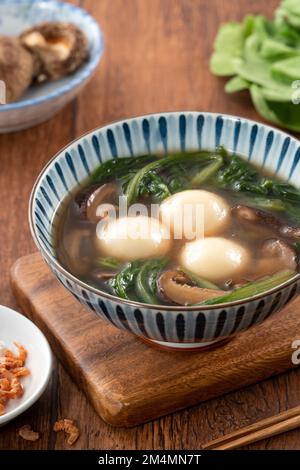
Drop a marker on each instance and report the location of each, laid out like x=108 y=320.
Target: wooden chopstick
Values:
x=282 y=422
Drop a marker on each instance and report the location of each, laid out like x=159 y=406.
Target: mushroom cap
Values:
x=61 y=48
x=89 y=201
x=251 y=215
x=16 y=67
x=175 y=287
x=275 y=255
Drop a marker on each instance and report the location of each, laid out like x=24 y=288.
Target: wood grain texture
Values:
x=130 y=383
x=156 y=59
x=286 y=421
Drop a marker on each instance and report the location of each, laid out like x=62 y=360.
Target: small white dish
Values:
x=16 y=327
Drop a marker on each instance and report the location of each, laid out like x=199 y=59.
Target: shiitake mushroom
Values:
x=246 y=214
x=60 y=47
x=176 y=287
x=275 y=255
x=76 y=251
x=88 y=200
x=17 y=66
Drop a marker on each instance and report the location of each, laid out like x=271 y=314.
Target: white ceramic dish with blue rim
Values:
x=16 y=327
x=177 y=327
x=41 y=102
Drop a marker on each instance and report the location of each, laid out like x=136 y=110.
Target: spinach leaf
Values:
x=145 y=283
x=238 y=175
x=293 y=212
x=256 y=190
x=119 y=168
x=252 y=289
x=265 y=203
x=108 y=262
x=153 y=178
x=284 y=190
x=137 y=280
x=153 y=184
x=208 y=172
x=122 y=285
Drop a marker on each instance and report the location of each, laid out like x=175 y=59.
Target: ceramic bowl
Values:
x=15 y=327
x=41 y=102
x=179 y=327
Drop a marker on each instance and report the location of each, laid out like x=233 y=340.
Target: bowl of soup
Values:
x=182 y=228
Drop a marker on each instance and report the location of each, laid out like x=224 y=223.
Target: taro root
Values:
x=60 y=47
x=250 y=215
x=177 y=288
x=88 y=201
x=16 y=67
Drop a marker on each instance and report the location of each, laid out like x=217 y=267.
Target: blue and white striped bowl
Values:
x=180 y=327
x=41 y=102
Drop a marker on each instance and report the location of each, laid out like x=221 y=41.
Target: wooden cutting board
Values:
x=129 y=382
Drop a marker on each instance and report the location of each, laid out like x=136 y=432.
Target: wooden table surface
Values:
x=156 y=59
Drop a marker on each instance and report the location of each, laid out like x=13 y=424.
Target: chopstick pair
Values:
x=282 y=422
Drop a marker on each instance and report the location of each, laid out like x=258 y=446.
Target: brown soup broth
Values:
x=74 y=237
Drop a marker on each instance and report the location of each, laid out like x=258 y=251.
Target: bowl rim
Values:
x=24 y=405
x=158 y=307
x=84 y=72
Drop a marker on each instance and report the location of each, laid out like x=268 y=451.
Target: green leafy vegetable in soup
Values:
x=244 y=240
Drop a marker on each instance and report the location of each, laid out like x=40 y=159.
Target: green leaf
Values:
x=122 y=285
x=293 y=212
x=154 y=185
x=132 y=191
x=284 y=96
x=274 y=50
x=235 y=84
x=259 y=73
x=145 y=283
x=283 y=114
x=252 y=49
x=263 y=27
x=264 y=57
x=238 y=175
x=207 y=172
x=228 y=46
x=137 y=280
x=222 y=65
x=118 y=167
x=287 y=70
x=199 y=281
x=252 y=289
x=275 y=205
x=286 y=33
x=108 y=262
x=291 y=6
x=138 y=184
x=230 y=39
